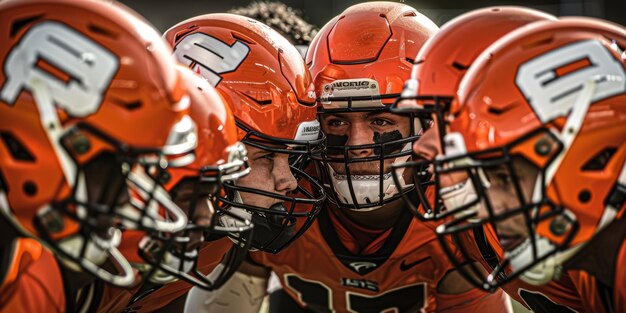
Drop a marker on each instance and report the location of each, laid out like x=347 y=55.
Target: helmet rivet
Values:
x=52 y=221
x=559 y=225
x=543 y=147
x=164 y=177
x=584 y=196
x=30 y=188
x=80 y=143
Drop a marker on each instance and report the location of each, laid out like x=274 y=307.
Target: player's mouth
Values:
x=361 y=176
x=510 y=242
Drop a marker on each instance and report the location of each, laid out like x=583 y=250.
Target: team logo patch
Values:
x=362 y=266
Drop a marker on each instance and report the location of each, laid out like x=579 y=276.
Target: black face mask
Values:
x=282 y=223
x=273 y=231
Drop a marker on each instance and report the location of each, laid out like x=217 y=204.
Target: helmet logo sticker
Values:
x=350 y=88
x=209 y=56
x=308 y=130
x=553 y=81
x=351 y=85
x=75 y=69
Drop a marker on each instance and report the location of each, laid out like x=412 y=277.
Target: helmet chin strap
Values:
x=367 y=187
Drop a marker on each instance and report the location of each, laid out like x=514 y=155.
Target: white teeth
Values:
x=361 y=177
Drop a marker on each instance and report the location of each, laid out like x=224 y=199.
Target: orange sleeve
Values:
x=475 y=300
x=37 y=285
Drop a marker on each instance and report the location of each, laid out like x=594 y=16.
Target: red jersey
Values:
x=398 y=270
x=557 y=296
x=32 y=280
x=144 y=298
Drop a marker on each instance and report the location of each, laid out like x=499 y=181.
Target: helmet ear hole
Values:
x=30 y=188
x=584 y=196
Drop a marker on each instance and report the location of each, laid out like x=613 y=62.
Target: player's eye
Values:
x=382 y=122
x=335 y=122
x=269 y=156
x=499 y=177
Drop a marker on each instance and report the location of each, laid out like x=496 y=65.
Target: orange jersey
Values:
x=32 y=280
x=402 y=271
x=556 y=296
x=144 y=299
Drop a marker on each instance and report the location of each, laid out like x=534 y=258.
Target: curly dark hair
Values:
x=284 y=19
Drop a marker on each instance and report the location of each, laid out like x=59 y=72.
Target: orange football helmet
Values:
x=87 y=91
x=435 y=77
x=550 y=98
x=359 y=62
x=265 y=81
x=219 y=158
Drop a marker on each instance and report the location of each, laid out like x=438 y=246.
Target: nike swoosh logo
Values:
x=405 y=267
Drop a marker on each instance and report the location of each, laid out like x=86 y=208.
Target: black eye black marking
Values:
x=385 y=138
x=336 y=143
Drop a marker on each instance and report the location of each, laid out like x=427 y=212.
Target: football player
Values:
x=78 y=113
x=219 y=157
x=538 y=129
x=269 y=89
x=435 y=78
x=364 y=252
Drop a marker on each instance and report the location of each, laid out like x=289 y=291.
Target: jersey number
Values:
x=318 y=297
x=209 y=56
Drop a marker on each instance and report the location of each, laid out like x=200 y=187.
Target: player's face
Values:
x=203 y=208
x=362 y=128
x=269 y=171
x=503 y=197
x=106 y=184
x=428 y=147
